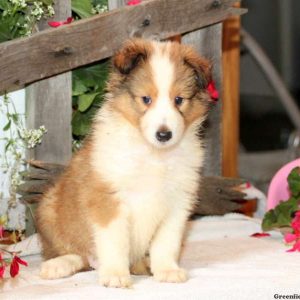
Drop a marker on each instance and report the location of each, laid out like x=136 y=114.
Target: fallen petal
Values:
x=134 y=2
x=260 y=234
x=54 y=23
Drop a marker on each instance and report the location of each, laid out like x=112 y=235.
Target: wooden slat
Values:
x=231 y=96
x=208 y=42
x=55 y=51
x=49 y=103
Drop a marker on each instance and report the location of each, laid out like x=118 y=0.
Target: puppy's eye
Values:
x=178 y=100
x=147 y=100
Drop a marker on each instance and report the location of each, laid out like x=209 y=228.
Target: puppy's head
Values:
x=160 y=87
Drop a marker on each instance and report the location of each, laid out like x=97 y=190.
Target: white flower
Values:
x=99 y=8
x=51 y=11
x=20 y=3
x=32 y=137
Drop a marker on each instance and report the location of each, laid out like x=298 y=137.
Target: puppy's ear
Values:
x=201 y=66
x=131 y=55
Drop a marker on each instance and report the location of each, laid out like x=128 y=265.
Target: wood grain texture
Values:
x=208 y=42
x=55 y=51
x=231 y=96
x=217 y=196
x=49 y=103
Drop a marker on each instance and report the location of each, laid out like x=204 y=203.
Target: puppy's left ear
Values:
x=133 y=53
x=201 y=66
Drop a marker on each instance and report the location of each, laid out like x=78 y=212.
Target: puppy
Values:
x=129 y=191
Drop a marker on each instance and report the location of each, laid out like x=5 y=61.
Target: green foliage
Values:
x=282 y=214
x=83 y=8
x=88 y=94
x=88 y=83
x=18 y=17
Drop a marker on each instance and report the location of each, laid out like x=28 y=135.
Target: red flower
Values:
x=57 y=24
x=14 y=266
x=134 y=2
x=2 y=267
x=213 y=92
x=260 y=234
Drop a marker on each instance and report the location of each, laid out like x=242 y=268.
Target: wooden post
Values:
x=112 y=4
x=208 y=42
x=48 y=103
x=231 y=96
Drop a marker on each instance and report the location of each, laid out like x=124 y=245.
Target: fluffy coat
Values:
x=128 y=192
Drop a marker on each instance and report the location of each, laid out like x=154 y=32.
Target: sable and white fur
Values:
x=126 y=194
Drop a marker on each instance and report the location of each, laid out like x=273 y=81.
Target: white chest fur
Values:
x=152 y=183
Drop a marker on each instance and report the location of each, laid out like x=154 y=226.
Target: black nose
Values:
x=163 y=135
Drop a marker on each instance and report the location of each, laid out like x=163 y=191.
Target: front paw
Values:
x=115 y=280
x=171 y=275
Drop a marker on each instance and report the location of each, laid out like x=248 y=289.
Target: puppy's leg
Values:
x=141 y=267
x=62 y=266
x=165 y=249
x=112 y=247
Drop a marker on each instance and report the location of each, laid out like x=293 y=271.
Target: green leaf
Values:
x=281 y=215
x=81 y=122
x=7 y=126
x=15 y=118
x=78 y=87
x=294 y=182
x=83 y=8
x=85 y=101
x=8 y=144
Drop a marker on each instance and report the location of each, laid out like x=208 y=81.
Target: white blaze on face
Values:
x=162 y=113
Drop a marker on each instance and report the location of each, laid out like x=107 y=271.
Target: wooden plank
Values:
x=55 y=51
x=231 y=96
x=113 y=4
x=208 y=42
x=54 y=112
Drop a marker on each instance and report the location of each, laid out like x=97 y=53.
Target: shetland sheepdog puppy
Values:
x=126 y=196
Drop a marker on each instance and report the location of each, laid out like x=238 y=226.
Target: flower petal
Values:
x=59 y=23
x=14 y=268
x=296 y=247
x=68 y=21
x=21 y=261
x=260 y=234
x=54 y=23
x=134 y=2
x=289 y=237
x=211 y=89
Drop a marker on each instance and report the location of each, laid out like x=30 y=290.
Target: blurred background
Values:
x=267 y=135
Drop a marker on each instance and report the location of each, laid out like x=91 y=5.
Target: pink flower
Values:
x=14 y=266
x=133 y=2
x=260 y=234
x=213 y=92
x=290 y=237
x=57 y=24
x=296 y=247
x=296 y=223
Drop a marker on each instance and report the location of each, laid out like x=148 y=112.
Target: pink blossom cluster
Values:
x=295 y=236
